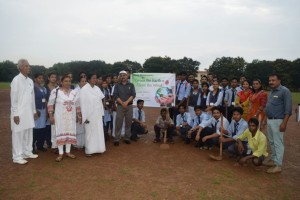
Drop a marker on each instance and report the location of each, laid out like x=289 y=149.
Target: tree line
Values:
x=228 y=67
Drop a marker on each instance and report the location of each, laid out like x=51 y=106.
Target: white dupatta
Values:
x=91 y=101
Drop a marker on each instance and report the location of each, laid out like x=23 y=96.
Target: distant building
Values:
x=201 y=73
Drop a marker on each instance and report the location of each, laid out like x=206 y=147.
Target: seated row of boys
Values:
x=240 y=138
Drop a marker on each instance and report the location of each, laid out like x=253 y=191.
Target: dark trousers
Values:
x=229 y=113
x=183 y=131
x=205 y=132
x=38 y=138
x=136 y=129
x=48 y=135
x=105 y=129
x=170 y=131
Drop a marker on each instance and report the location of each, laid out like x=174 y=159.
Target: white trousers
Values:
x=61 y=149
x=21 y=143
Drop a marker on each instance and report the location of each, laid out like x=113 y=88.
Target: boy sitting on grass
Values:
x=162 y=124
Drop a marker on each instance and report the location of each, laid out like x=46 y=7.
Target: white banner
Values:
x=156 y=89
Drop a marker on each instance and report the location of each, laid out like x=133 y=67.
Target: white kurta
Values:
x=64 y=115
x=80 y=132
x=92 y=110
x=22 y=105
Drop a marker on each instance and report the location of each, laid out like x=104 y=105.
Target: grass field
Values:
x=4 y=85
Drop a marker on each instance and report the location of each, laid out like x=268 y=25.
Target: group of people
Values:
x=208 y=113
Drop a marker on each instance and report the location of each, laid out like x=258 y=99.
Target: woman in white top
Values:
x=62 y=108
x=92 y=113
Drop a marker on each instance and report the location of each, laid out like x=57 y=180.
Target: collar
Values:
x=24 y=77
x=278 y=88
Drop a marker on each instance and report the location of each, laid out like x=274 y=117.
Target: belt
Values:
x=274 y=118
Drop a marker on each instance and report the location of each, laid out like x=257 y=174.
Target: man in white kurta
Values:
x=22 y=114
x=92 y=112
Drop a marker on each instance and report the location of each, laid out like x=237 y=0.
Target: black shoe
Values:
x=133 y=139
x=116 y=144
x=127 y=142
x=42 y=149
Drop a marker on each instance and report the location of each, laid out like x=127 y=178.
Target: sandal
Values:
x=59 y=158
x=70 y=155
x=88 y=155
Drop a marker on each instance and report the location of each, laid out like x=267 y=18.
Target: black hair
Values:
x=184 y=107
x=206 y=84
x=224 y=78
x=195 y=80
x=139 y=101
x=163 y=110
x=261 y=87
x=63 y=77
x=197 y=107
x=215 y=108
x=80 y=73
x=234 y=78
x=275 y=74
x=247 y=82
x=91 y=75
x=37 y=75
x=183 y=73
x=81 y=77
x=50 y=74
x=253 y=121
x=238 y=109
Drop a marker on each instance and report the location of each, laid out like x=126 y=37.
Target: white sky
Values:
x=51 y=31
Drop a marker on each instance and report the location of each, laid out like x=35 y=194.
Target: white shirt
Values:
x=212 y=122
x=22 y=102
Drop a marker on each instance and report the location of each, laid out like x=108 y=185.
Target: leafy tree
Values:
x=228 y=67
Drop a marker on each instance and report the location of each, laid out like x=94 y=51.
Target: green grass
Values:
x=296 y=97
x=4 y=85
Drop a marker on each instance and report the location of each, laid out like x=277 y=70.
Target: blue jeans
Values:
x=276 y=142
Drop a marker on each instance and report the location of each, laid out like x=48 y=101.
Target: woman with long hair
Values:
x=63 y=106
x=242 y=97
x=257 y=101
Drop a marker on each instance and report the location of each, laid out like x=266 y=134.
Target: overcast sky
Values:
x=51 y=31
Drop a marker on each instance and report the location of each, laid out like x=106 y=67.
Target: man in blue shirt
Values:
x=278 y=112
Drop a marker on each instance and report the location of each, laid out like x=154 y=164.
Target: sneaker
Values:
x=20 y=162
x=201 y=148
x=205 y=147
x=273 y=170
x=269 y=163
x=30 y=156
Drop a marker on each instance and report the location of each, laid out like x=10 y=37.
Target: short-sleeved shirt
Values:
x=279 y=103
x=258 y=143
x=160 y=122
x=136 y=114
